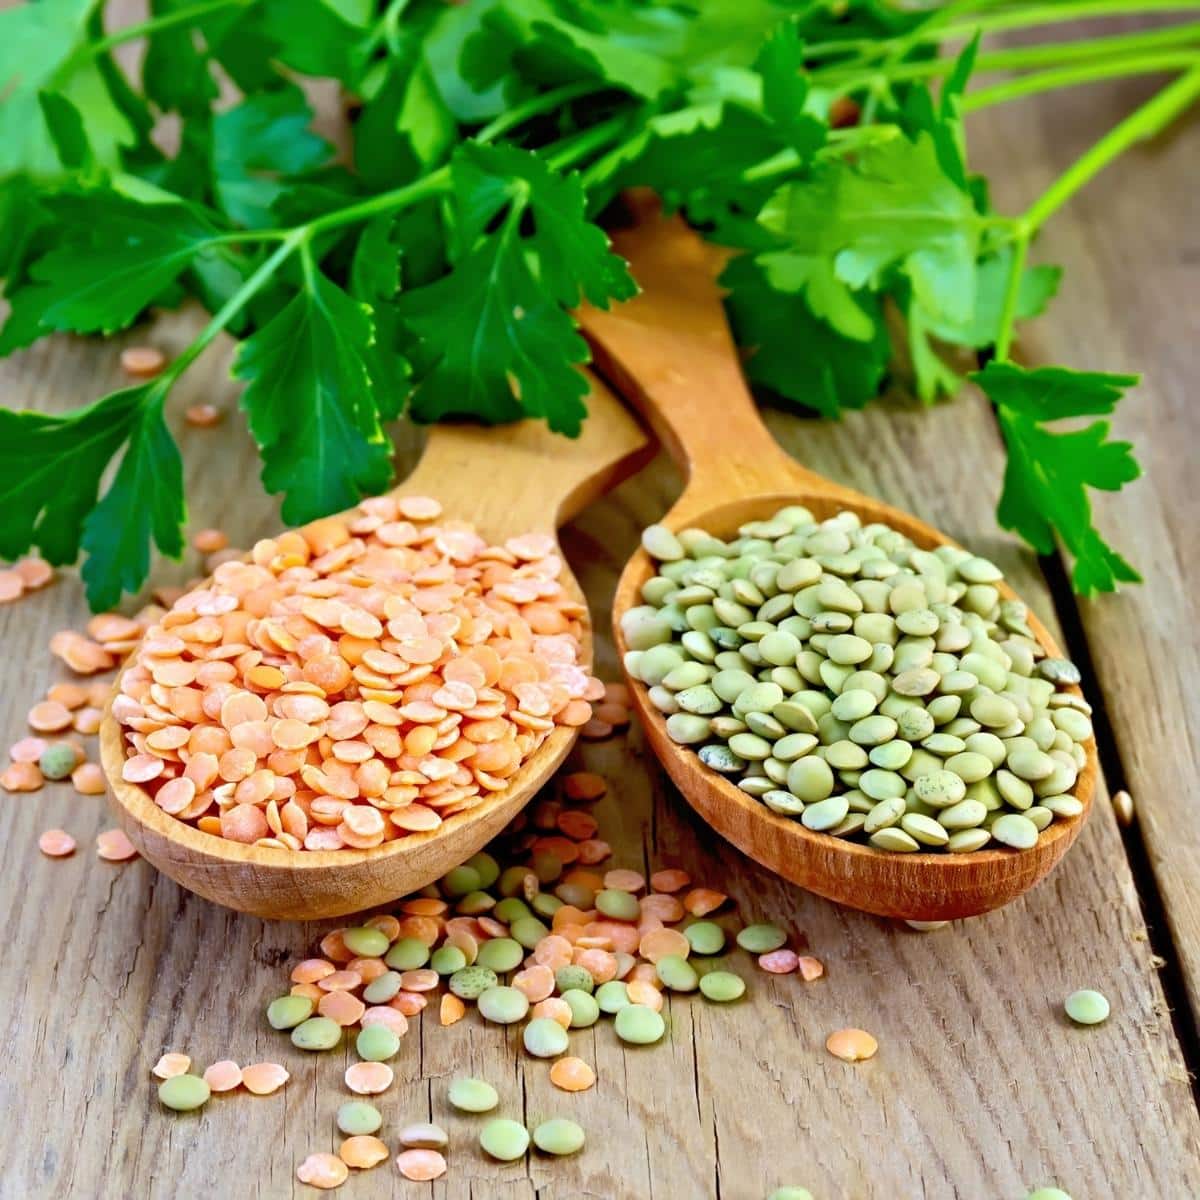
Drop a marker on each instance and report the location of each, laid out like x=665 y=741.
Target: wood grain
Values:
x=980 y=1089
x=535 y=481
x=671 y=350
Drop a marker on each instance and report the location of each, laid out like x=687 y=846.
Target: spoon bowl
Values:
x=669 y=350
x=514 y=479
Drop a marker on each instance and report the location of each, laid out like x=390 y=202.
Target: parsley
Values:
x=430 y=266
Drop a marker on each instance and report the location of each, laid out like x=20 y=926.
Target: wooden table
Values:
x=981 y=1088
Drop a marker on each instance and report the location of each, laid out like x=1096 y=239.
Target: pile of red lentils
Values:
x=355 y=680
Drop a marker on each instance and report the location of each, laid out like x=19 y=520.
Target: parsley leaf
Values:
x=256 y=146
x=495 y=328
x=310 y=402
x=144 y=502
x=175 y=72
x=1048 y=473
x=51 y=469
x=892 y=207
x=785 y=90
x=113 y=257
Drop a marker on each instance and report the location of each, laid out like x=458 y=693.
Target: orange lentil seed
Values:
x=810 y=968
x=142 y=362
x=363 y=1151
x=56 y=843
x=113 y=845
x=670 y=879
x=49 y=717
x=572 y=1075
x=851 y=1045
x=322 y=1170
x=452 y=1009
x=172 y=1064
x=202 y=415
x=223 y=1076
x=12 y=586
x=264 y=1078
x=21 y=777
x=421 y=1166
x=369 y=1078
x=88 y=779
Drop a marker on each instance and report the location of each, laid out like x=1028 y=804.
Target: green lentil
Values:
x=408 y=954
x=288 y=1011
x=57 y=761
x=366 y=942
x=825 y=667
x=504 y=1139
x=472 y=1095
x=761 y=939
x=383 y=988
x=639 y=1025
x=528 y=931
x=471 y=982
x=317 y=1033
x=357 y=1117
x=558 y=1136
x=705 y=937
x=574 y=978
x=377 y=1043
x=445 y=960
x=585 y=1011
x=184 y=1092
x=612 y=996
x=722 y=986
x=620 y=906
x=502 y=1005
x=677 y=973
x=1087 y=1007
x=486 y=867
x=500 y=955
x=544 y=1037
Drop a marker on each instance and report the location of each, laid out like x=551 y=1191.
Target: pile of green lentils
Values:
x=859 y=684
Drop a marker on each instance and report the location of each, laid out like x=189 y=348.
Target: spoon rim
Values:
x=639 y=567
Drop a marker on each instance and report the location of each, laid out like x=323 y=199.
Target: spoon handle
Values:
x=521 y=477
x=670 y=351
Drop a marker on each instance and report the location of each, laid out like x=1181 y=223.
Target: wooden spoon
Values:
x=670 y=351
x=514 y=479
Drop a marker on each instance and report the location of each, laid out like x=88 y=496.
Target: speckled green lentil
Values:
x=504 y=1139
x=574 y=978
x=472 y=1095
x=184 y=1093
x=377 y=1043
x=357 y=1117
x=814 y=661
x=559 y=1136
x=287 y=1012
x=471 y=982
x=317 y=1033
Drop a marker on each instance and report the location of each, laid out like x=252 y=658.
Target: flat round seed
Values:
x=705 y=937
x=184 y=1092
x=1087 y=1007
x=423 y=1136
x=504 y=1139
x=223 y=1076
x=612 y=996
x=500 y=955
x=472 y=1095
x=56 y=843
x=286 y=1012
x=471 y=982
x=362 y=1151
x=779 y=962
x=264 y=1078
x=572 y=1075
x=408 y=954
x=1048 y=1193
x=761 y=939
x=357 y=1117
x=369 y=1078
x=366 y=943
x=324 y=1171
x=545 y=1038
x=1015 y=830
x=317 y=1033
x=851 y=1045
x=503 y=1005
x=377 y=1043
x=677 y=973
x=722 y=986
x=639 y=1025
x=171 y=1064
x=559 y=1136
x=420 y=1165
x=585 y=1009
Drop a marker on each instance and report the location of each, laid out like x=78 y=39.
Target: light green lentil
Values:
x=585 y=1011
x=1087 y=1007
x=460 y=881
x=383 y=988
x=510 y=909
x=762 y=938
x=408 y=954
x=559 y=1136
x=639 y=1025
x=356 y=1118
x=500 y=955
x=184 y=1093
x=317 y=1033
x=377 y=1043
x=503 y=1006
x=705 y=937
x=544 y=1037
x=527 y=931
x=472 y=1095
x=287 y=1012
x=677 y=973
x=722 y=986
x=486 y=867
x=574 y=978
x=833 y=659
x=504 y=1139
x=445 y=960
x=57 y=761
x=791 y=1193
x=1015 y=830
x=1048 y=1193
x=612 y=996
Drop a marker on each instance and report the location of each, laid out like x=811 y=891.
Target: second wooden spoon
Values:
x=670 y=351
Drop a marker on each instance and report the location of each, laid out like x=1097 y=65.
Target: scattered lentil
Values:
x=56 y=843
x=558 y=1136
x=851 y=1045
x=362 y=1151
x=323 y=1171
x=504 y=1139
x=424 y=1136
x=722 y=986
x=1087 y=1007
x=572 y=1075
x=264 y=1078
x=472 y=1095
x=172 y=1064
x=223 y=1076
x=420 y=1165
x=369 y=1078
x=184 y=1093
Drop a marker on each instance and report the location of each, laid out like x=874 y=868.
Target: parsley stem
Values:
x=398 y=198
x=234 y=304
x=536 y=106
x=1012 y=292
x=181 y=16
x=571 y=149
x=1144 y=122
x=1088 y=72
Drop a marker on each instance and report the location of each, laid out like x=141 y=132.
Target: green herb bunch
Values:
x=433 y=270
